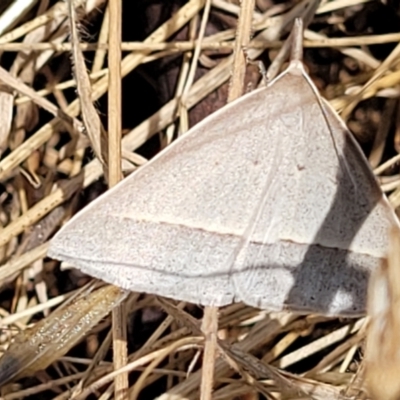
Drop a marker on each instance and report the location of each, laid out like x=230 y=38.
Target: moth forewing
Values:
x=268 y=201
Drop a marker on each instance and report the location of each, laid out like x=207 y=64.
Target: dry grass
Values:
x=57 y=321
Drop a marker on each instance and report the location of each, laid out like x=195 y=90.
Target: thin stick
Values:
x=242 y=41
x=209 y=327
x=316 y=41
x=114 y=93
x=115 y=175
x=210 y=318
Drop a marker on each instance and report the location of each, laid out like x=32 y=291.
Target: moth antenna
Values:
x=293 y=46
x=296 y=39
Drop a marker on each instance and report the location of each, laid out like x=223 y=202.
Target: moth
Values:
x=269 y=201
